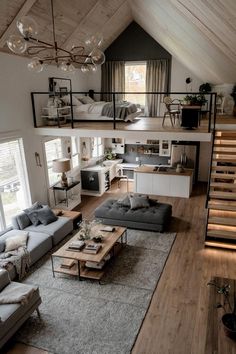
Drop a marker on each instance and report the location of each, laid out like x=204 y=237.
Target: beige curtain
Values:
x=113 y=79
x=157 y=76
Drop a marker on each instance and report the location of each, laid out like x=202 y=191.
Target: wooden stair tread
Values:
x=222 y=221
x=225 y=205
x=220 y=195
x=227 y=153
x=223 y=159
x=224 y=168
x=221 y=234
x=223 y=175
x=219 y=244
x=223 y=185
x=218 y=145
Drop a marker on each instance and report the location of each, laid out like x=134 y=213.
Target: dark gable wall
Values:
x=134 y=44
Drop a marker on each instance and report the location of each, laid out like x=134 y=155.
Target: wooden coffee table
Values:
x=112 y=243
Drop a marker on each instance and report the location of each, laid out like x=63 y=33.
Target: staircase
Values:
x=221 y=219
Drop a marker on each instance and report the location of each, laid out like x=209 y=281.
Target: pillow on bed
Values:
x=75 y=101
x=86 y=99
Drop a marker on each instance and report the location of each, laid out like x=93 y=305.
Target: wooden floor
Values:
x=177 y=317
x=146 y=124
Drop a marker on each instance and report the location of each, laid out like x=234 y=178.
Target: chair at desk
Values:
x=172 y=110
x=220 y=101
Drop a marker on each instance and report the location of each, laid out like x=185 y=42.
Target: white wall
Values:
x=179 y=73
x=16 y=110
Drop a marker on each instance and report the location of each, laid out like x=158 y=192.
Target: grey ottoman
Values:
x=155 y=218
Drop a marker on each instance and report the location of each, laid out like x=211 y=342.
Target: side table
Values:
x=58 y=187
x=75 y=216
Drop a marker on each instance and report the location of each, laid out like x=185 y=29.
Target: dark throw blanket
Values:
x=123 y=109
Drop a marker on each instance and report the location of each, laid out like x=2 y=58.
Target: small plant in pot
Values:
x=229 y=317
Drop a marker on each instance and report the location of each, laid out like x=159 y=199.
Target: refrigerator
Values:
x=186 y=155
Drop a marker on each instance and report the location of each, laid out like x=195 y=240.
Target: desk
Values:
x=190 y=116
x=58 y=187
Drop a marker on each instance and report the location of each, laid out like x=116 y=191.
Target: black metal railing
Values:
x=210 y=111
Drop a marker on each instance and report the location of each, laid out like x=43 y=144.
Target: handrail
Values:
x=114 y=94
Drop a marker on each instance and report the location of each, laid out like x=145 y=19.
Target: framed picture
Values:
x=63 y=91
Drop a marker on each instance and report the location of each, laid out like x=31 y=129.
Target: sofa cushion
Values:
x=46 y=215
x=138 y=201
x=57 y=229
x=32 y=213
x=4 y=278
x=11 y=314
x=14 y=242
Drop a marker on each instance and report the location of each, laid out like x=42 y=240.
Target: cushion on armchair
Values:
x=4 y=278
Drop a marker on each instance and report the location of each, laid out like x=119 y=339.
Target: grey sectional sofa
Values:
x=156 y=217
x=41 y=238
x=12 y=316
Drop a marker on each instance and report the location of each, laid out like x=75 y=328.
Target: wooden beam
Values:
x=22 y=12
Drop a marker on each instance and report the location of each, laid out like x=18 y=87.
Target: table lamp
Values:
x=62 y=165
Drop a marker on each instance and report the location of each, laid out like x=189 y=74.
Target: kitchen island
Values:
x=168 y=182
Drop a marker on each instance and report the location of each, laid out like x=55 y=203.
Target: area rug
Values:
x=85 y=317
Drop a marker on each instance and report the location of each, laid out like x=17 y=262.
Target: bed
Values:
x=85 y=108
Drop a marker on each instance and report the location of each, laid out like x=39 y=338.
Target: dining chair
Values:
x=172 y=110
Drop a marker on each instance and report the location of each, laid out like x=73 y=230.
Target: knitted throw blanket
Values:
x=19 y=258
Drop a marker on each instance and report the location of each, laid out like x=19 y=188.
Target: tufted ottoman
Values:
x=155 y=218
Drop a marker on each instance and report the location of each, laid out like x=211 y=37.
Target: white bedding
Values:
x=93 y=111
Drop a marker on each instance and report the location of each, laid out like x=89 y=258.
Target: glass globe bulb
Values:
x=93 y=68
x=16 y=44
x=27 y=26
x=35 y=65
x=94 y=41
x=84 y=69
x=66 y=66
x=98 y=57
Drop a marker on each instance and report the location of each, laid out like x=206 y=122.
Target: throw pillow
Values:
x=138 y=201
x=86 y=99
x=23 y=220
x=124 y=201
x=75 y=100
x=14 y=242
x=31 y=213
x=2 y=246
x=46 y=216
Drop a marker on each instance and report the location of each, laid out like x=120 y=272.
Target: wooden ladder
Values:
x=221 y=219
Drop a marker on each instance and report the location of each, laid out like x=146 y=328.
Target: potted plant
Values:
x=229 y=317
x=233 y=94
x=205 y=88
x=195 y=100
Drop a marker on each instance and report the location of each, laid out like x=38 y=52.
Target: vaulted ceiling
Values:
x=199 y=33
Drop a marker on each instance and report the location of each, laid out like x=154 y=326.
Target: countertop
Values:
x=170 y=171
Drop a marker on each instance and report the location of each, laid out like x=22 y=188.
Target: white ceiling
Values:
x=201 y=34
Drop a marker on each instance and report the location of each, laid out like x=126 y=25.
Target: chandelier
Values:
x=86 y=58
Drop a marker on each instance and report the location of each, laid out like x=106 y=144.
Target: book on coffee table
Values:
x=76 y=245
x=108 y=228
x=68 y=263
x=92 y=248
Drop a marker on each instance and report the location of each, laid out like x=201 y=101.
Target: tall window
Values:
x=74 y=151
x=97 y=147
x=14 y=192
x=53 y=151
x=135 y=81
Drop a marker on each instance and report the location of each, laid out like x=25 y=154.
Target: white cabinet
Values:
x=135 y=141
x=118 y=148
x=165 y=148
x=143 y=183
x=170 y=185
